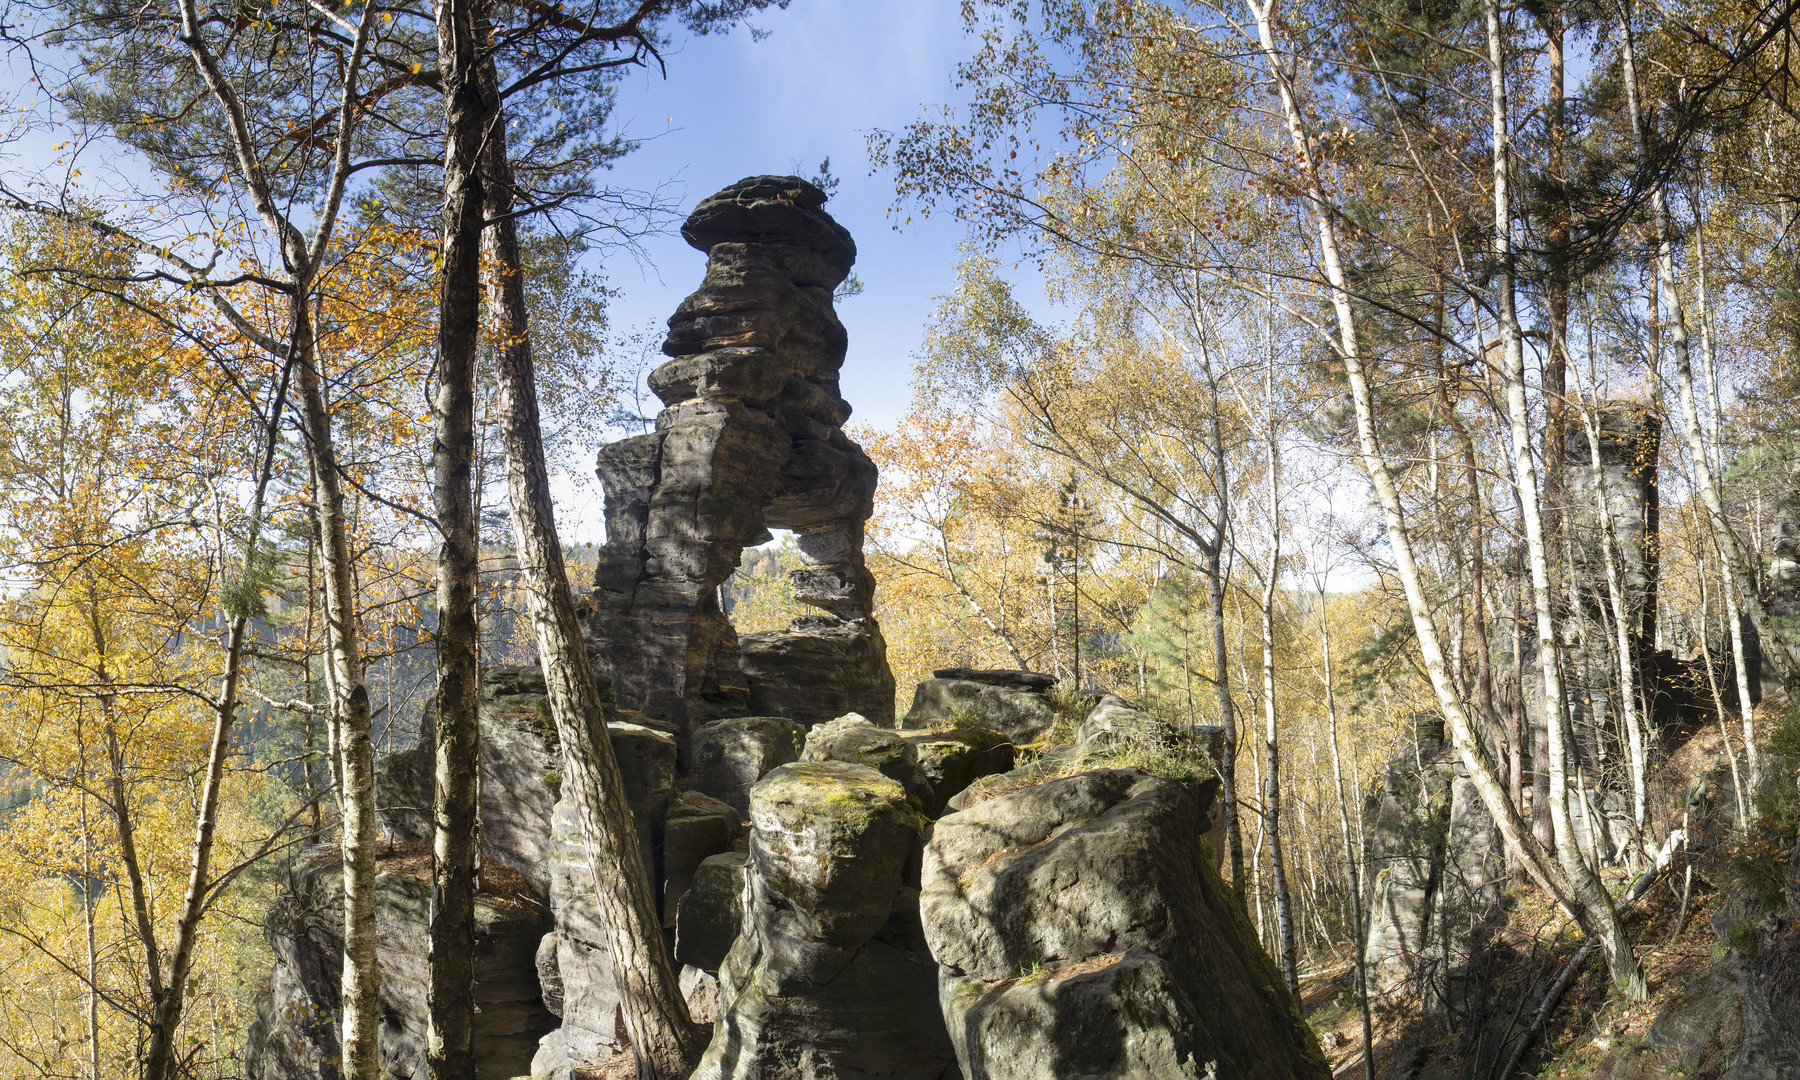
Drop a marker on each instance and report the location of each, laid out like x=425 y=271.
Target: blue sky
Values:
x=828 y=72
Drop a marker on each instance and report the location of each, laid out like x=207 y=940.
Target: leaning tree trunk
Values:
x=667 y=1043
x=1536 y=860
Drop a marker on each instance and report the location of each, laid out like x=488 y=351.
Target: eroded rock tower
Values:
x=751 y=438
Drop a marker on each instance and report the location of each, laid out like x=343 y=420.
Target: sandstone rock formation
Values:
x=295 y=1035
x=1437 y=873
x=711 y=911
x=829 y=976
x=953 y=760
x=727 y=757
x=528 y=828
x=1014 y=702
x=751 y=439
x=1080 y=932
x=853 y=739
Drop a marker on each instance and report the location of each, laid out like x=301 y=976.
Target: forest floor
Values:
x=1690 y=1025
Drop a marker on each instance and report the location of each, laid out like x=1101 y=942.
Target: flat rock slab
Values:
x=1035 y=681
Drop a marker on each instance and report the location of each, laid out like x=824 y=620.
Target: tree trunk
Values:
x=350 y=711
x=1729 y=550
x=469 y=114
x=1284 y=916
x=667 y=1043
x=1360 y=956
x=1535 y=859
x=1734 y=622
x=1615 y=590
x=1234 y=836
x=1598 y=915
x=165 y=1022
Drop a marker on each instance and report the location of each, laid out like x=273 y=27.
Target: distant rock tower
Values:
x=751 y=439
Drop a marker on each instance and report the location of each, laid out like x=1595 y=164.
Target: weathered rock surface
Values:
x=727 y=757
x=521 y=774
x=295 y=1035
x=1035 y=682
x=952 y=760
x=751 y=439
x=853 y=739
x=820 y=669
x=1437 y=877
x=521 y=768
x=1013 y=702
x=1770 y=982
x=1115 y=720
x=711 y=911
x=1080 y=932
x=829 y=976
x=696 y=828
x=529 y=828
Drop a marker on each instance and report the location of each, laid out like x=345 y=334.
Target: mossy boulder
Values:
x=829 y=974
x=1081 y=930
x=852 y=738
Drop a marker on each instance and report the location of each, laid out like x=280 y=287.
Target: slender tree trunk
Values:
x=1357 y=915
x=165 y=1023
x=350 y=711
x=998 y=629
x=1723 y=535
x=1712 y=681
x=1234 y=836
x=1595 y=902
x=1284 y=916
x=667 y=1043
x=1709 y=371
x=469 y=115
x=1615 y=590
x=92 y=1012
x=1517 y=836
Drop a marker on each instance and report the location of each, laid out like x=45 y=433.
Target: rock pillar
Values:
x=751 y=439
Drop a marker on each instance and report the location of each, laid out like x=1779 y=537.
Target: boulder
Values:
x=1113 y=720
x=852 y=738
x=1022 y=714
x=819 y=669
x=697 y=827
x=295 y=1034
x=829 y=976
x=711 y=911
x=953 y=760
x=1079 y=931
x=727 y=757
